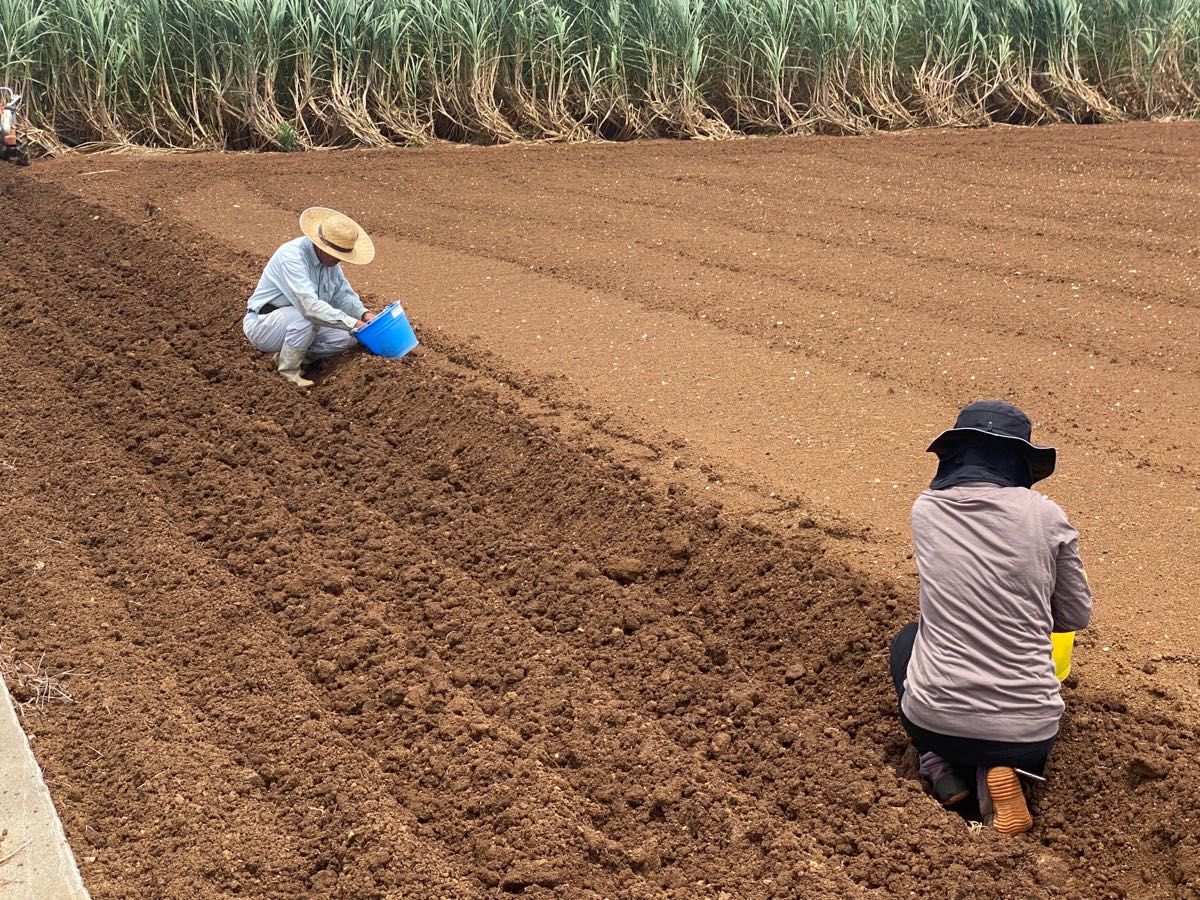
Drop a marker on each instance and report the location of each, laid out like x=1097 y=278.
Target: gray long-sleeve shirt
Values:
x=999 y=570
x=295 y=275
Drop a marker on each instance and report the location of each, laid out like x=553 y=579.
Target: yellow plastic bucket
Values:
x=1061 y=645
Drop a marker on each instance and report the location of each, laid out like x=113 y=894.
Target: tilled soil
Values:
x=801 y=317
x=419 y=633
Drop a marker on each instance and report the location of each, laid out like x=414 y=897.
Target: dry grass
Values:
x=7 y=854
x=31 y=684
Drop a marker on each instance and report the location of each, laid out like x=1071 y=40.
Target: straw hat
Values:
x=337 y=235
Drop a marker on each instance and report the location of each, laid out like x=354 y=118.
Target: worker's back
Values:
x=999 y=570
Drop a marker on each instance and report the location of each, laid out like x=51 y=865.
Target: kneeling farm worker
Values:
x=999 y=570
x=304 y=308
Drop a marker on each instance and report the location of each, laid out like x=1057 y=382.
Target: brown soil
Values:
x=458 y=627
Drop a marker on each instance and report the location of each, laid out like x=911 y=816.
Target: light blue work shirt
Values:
x=295 y=276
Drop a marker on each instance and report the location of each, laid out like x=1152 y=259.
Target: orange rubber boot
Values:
x=1008 y=801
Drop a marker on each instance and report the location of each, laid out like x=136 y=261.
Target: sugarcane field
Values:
x=718 y=449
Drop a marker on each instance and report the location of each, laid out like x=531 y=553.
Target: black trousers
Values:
x=961 y=752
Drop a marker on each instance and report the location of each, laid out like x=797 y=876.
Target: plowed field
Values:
x=591 y=596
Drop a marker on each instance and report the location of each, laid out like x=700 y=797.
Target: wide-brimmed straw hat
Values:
x=337 y=235
x=996 y=421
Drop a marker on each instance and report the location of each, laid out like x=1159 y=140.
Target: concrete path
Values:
x=36 y=863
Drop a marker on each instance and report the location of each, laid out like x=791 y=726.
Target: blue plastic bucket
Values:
x=388 y=334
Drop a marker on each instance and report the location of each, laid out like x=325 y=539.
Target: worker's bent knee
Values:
x=299 y=338
x=330 y=342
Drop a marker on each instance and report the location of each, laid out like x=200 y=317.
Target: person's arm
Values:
x=297 y=285
x=1071 y=602
x=347 y=299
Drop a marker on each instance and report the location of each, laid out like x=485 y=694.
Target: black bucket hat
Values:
x=1000 y=422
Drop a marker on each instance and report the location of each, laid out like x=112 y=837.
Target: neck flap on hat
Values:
x=988 y=461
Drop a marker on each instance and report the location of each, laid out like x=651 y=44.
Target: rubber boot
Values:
x=288 y=362
x=947 y=785
x=1011 y=812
